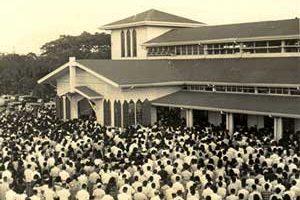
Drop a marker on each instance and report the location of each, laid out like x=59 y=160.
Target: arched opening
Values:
x=117 y=110
x=146 y=113
x=128 y=42
x=139 y=112
x=122 y=44
x=125 y=114
x=107 y=112
x=134 y=43
x=131 y=113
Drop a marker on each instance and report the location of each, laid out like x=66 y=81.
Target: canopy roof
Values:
x=285 y=106
x=88 y=92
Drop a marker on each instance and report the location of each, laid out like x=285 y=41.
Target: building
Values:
x=235 y=74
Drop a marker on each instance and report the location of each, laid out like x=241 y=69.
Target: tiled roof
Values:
x=231 y=31
x=153 y=15
x=238 y=103
x=270 y=71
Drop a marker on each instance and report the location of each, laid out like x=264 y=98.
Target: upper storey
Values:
x=247 y=39
x=128 y=35
x=158 y=35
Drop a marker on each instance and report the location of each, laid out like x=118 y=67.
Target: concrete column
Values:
x=277 y=128
x=135 y=120
x=214 y=118
x=74 y=99
x=229 y=122
x=153 y=115
x=112 y=111
x=64 y=108
x=189 y=118
x=99 y=111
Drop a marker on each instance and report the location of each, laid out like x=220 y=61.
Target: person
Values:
x=80 y=159
x=83 y=193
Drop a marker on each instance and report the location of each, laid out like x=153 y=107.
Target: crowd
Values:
x=42 y=157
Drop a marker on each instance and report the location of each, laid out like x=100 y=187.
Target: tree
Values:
x=19 y=73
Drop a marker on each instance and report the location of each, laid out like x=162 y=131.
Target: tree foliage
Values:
x=19 y=73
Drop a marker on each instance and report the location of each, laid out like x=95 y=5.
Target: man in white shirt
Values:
x=83 y=193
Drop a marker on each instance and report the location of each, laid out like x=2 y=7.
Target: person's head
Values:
x=256 y=197
x=241 y=196
x=139 y=189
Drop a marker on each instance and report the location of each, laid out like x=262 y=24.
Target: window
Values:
x=295 y=91
x=122 y=44
x=134 y=44
x=263 y=90
x=128 y=41
x=189 y=49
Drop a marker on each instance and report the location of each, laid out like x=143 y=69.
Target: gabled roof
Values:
x=248 y=71
x=272 y=71
x=152 y=16
x=238 y=103
x=234 y=32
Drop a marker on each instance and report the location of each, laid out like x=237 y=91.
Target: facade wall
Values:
x=144 y=34
x=115 y=93
x=63 y=84
x=255 y=120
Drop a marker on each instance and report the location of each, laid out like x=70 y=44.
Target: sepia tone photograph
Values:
x=150 y=100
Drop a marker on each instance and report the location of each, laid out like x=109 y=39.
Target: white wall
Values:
x=144 y=34
x=256 y=120
x=115 y=93
x=63 y=84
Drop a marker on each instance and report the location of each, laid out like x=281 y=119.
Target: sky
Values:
x=28 y=24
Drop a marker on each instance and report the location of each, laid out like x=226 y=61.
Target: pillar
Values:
x=229 y=122
x=99 y=111
x=135 y=119
x=277 y=128
x=153 y=115
x=72 y=80
x=74 y=99
x=189 y=118
x=64 y=107
x=112 y=112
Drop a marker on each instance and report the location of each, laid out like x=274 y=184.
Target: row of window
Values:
x=131 y=43
x=243 y=89
x=276 y=46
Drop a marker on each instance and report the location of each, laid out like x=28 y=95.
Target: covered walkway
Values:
x=235 y=106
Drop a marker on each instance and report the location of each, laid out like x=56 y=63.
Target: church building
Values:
x=245 y=74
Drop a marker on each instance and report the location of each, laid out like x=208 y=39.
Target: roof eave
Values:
x=152 y=23
x=276 y=37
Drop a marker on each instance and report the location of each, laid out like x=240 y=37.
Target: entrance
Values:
x=288 y=126
x=240 y=121
x=85 y=110
x=200 y=117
